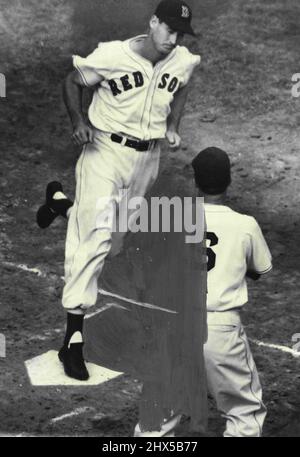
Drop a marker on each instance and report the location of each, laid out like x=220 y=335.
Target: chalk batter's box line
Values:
x=39 y=273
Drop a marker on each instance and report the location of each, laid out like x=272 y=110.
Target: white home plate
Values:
x=46 y=370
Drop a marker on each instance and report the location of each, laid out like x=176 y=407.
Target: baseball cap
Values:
x=212 y=170
x=175 y=14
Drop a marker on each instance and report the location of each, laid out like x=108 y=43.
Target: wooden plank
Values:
x=162 y=349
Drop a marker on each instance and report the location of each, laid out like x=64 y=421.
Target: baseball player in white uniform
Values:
x=236 y=248
x=140 y=87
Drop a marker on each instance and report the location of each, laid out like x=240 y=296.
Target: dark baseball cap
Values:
x=212 y=170
x=176 y=14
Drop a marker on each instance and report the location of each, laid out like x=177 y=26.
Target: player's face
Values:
x=163 y=37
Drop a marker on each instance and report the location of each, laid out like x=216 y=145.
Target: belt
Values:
x=135 y=144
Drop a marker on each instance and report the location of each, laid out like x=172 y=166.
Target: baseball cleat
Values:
x=72 y=359
x=52 y=208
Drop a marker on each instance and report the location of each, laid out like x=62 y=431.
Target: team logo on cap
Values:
x=185 y=11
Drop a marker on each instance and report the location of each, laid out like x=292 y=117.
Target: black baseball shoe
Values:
x=73 y=362
x=52 y=208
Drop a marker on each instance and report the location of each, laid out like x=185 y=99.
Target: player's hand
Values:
x=173 y=139
x=82 y=134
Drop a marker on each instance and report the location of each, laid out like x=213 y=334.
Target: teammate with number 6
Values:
x=236 y=248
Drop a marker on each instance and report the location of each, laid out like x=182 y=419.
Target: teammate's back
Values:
x=236 y=248
x=235 y=245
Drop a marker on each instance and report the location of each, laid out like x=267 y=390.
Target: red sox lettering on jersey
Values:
x=137 y=80
x=132 y=95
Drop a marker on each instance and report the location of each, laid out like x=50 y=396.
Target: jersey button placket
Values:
x=150 y=74
x=149 y=99
x=155 y=77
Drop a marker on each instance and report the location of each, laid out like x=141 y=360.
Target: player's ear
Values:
x=154 y=21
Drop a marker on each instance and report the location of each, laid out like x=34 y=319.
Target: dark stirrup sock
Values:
x=74 y=324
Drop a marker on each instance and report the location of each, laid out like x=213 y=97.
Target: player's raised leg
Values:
x=93 y=223
x=87 y=244
x=56 y=204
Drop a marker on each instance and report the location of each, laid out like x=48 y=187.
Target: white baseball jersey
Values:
x=133 y=96
x=235 y=244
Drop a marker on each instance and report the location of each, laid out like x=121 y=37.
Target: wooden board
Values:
x=161 y=347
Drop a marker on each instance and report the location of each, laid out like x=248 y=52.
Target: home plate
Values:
x=46 y=370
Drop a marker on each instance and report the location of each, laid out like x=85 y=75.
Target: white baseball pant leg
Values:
x=232 y=376
x=103 y=169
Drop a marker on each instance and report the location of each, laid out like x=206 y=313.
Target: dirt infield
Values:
x=240 y=100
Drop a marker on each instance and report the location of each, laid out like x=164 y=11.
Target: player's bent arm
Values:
x=174 y=117
x=177 y=106
x=72 y=95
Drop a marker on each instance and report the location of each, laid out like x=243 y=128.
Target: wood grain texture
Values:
x=162 y=349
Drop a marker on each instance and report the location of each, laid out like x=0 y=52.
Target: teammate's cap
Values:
x=176 y=14
x=212 y=170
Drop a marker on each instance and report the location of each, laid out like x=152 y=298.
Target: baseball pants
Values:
x=105 y=173
x=232 y=375
x=232 y=379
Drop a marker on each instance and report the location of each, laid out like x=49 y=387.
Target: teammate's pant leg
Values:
x=233 y=380
x=103 y=169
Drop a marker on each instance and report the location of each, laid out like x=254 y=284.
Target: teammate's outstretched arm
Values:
x=174 y=118
x=72 y=94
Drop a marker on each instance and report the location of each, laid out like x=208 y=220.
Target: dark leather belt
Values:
x=135 y=144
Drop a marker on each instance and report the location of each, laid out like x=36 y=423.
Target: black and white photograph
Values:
x=149 y=223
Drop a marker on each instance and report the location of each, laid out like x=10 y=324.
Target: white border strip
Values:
x=23 y=267
x=104 y=308
x=101 y=291
x=134 y=302
x=145 y=305
x=277 y=347
x=76 y=412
